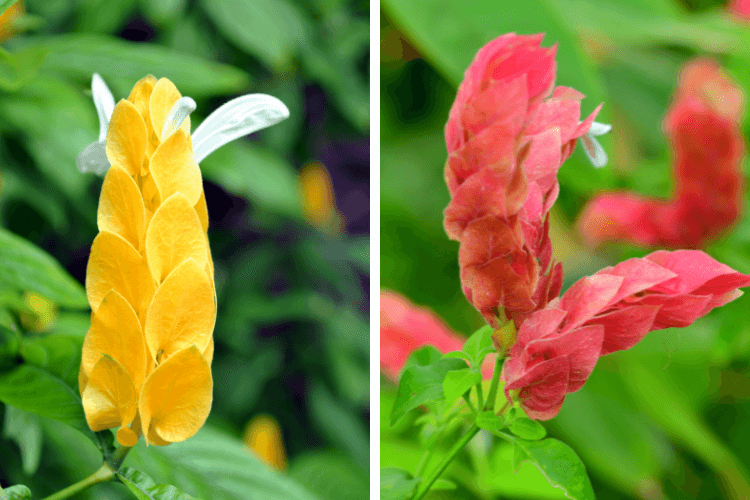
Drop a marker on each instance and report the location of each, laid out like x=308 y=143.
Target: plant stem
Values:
x=425 y=486
x=492 y=396
x=105 y=473
x=480 y=396
x=469 y=403
x=119 y=457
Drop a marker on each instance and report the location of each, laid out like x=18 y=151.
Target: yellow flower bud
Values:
x=318 y=201
x=145 y=366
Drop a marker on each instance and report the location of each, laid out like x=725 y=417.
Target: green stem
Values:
x=119 y=457
x=492 y=396
x=469 y=403
x=100 y=476
x=480 y=396
x=425 y=486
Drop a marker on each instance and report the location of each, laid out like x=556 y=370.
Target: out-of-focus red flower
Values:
x=557 y=347
x=405 y=327
x=507 y=135
x=703 y=128
x=740 y=8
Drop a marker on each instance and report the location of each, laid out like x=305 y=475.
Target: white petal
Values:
x=180 y=110
x=93 y=158
x=594 y=150
x=104 y=102
x=239 y=117
x=599 y=128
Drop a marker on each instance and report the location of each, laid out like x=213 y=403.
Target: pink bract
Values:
x=508 y=132
x=607 y=312
x=703 y=128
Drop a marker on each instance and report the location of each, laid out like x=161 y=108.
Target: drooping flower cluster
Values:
x=703 y=128
x=612 y=310
x=146 y=359
x=507 y=135
x=503 y=231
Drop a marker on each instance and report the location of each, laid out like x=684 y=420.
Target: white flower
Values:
x=237 y=118
x=591 y=146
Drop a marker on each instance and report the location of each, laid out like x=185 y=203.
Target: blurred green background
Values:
x=293 y=298
x=666 y=419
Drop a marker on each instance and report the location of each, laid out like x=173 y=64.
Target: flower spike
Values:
x=237 y=118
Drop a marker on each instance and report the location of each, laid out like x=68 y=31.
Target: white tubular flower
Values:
x=237 y=118
x=591 y=146
x=94 y=157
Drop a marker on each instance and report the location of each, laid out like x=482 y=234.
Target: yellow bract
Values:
x=121 y=209
x=174 y=235
x=126 y=138
x=182 y=312
x=145 y=366
x=177 y=397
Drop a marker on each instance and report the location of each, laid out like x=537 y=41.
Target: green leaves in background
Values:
x=257 y=173
x=422 y=383
x=557 y=461
x=144 y=488
x=330 y=476
x=214 y=465
x=396 y=484
x=24 y=266
x=449 y=35
x=18 y=68
x=80 y=55
x=24 y=428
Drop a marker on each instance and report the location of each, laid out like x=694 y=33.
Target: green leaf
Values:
x=525 y=428
x=423 y=356
x=9 y=344
x=266 y=29
x=449 y=35
x=339 y=424
x=396 y=484
x=260 y=175
x=330 y=475
x=26 y=267
x=557 y=461
x=443 y=485
x=80 y=55
x=23 y=428
x=458 y=354
x=17 y=492
x=57 y=353
x=144 y=488
x=5 y=5
x=489 y=421
x=215 y=465
x=422 y=384
x=479 y=345
x=457 y=382
x=37 y=391
x=18 y=68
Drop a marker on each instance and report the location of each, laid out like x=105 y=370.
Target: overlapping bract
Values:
x=703 y=128
x=146 y=358
x=612 y=310
x=507 y=135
